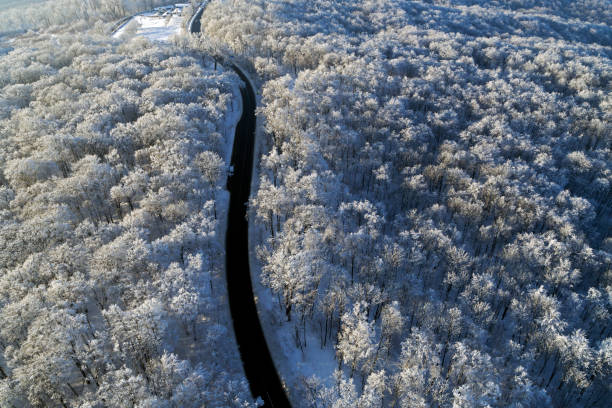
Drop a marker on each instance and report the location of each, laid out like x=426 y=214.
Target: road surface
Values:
x=256 y=359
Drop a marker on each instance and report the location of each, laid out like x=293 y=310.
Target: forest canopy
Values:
x=434 y=198
x=112 y=168
x=431 y=219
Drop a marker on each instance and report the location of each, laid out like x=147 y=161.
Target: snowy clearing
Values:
x=159 y=24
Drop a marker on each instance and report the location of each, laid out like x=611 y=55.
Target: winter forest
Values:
x=430 y=220
x=112 y=159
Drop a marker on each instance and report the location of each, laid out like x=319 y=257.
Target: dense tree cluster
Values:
x=594 y=11
x=111 y=264
x=437 y=195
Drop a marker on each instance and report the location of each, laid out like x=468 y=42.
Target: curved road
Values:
x=256 y=359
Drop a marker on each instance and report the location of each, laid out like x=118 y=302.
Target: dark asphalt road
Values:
x=258 y=365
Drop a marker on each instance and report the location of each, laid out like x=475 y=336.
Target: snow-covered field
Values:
x=159 y=24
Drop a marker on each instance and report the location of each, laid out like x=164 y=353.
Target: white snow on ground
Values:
x=157 y=25
x=292 y=365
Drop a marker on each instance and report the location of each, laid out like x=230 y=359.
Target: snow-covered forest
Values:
x=36 y=14
x=434 y=201
x=430 y=222
x=112 y=213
